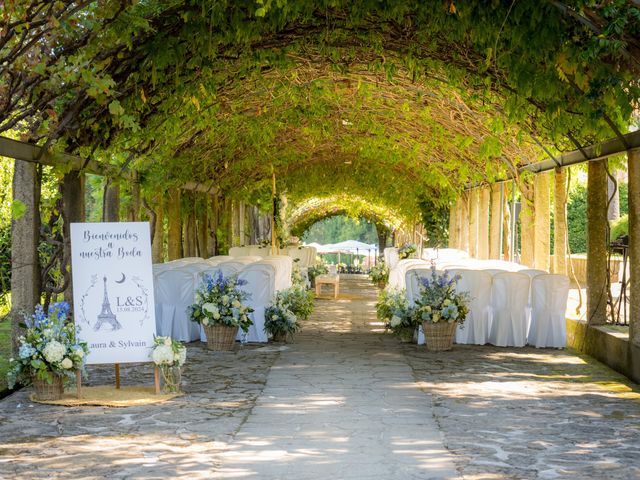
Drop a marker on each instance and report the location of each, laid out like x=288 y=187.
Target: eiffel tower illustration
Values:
x=106 y=315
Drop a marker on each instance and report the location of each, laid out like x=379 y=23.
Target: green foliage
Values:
x=379 y=273
x=5 y=346
x=620 y=227
x=340 y=228
x=577 y=219
x=435 y=218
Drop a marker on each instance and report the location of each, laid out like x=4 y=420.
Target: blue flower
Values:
x=26 y=351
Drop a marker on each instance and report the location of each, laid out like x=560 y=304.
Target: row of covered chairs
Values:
x=305 y=256
x=508 y=308
x=176 y=283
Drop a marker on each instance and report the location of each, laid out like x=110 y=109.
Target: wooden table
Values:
x=328 y=280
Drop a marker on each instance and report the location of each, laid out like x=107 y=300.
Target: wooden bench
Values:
x=328 y=280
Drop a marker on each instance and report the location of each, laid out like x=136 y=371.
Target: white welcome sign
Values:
x=113 y=300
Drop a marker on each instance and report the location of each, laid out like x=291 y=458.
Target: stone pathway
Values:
x=344 y=401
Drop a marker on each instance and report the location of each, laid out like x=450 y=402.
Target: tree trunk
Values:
x=597 y=243
x=111 y=202
x=634 y=245
x=133 y=212
x=560 y=222
x=214 y=221
x=73 y=212
x=495 y=221
x=483 y=223
x=453 y=219
x=25 y=235
x=175 y=225
x=542 y=199
x=474 y=200
x=157 y=246
x=527 y=226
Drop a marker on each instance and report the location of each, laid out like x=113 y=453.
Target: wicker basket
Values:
x=280 y=337
x=48 y=391
x=439 y=336
x=220 y=337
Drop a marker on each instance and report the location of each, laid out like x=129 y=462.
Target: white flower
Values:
x=205 y=321
x=210 y=308
x=79 y=352
x=274 y=317
x=236 y=304
x=216 y=316
x=66 y=363
x=162 y=355
x=182 y=356
x=225 y=299
x=395 y=321
x=447 y=301
x=54 y=351
x=167 y=341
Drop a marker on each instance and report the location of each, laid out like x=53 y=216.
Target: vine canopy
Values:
x=389 y=102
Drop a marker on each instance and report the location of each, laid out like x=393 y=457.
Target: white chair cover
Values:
x=501 y=265
x=549 y=294
x=509 y=304
x=194 y=268
x=283 y=265
x=174 y=292
x=477 y=283
x=259 y=250
x=397 y=274
x=312 y=253
x=444 y=254
x=261 y=287
x=228 y=268
x=494 y=271
x=532 y=272
x=247 y=259
x=300 y=254
x=219 y=258
x=391 y=257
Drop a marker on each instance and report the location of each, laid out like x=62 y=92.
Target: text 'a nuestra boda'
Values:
x=120 y=253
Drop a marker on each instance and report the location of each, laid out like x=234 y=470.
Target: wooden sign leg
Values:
x=78 y=384
x=117 y=376
x=156 y=378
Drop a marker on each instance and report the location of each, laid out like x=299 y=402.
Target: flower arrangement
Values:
x=406 y=250
x=439 y=301
x=289 y=306
x=379 y=274
x=393 y=308
x=315 y=270
x=169 y=355
x=49 y=349
x=219 y=302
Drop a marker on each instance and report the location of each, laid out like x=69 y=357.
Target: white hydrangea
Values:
x=182 y=356
x=167 y=341
x=395 y=321
x=162 y=355
x=66 y=363
x=225 y=299
x=236 y=303
x=54 y=351
x=205 y=321
x=210 y=308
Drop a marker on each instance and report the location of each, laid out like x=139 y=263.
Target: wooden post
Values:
x=560 y=222
x=464 y=221
x=73 y=211
x=527 y=225
x=495 y=221
x=483 y=223
x=202 y=212
x=78 y=384
x=542 y=233
x=111 y=202
x=474 y=200
x=507 y=220
x=25 y=231
x=156 y=379
x=453 y=225
x=117 y=365
x=597 y=243
x=634 y=246
x=175 y=225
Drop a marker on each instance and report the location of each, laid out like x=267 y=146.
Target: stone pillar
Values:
x=542 y=200
x=560 y=222
x=495 y=221
x=483 y=223
x=73 y=212
x=111 y=202
x=597 y=243
x=175 y=225
x=474 y=200
x=527 y=225
x=25 y=234
x=464 y=221
x=634 y=246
